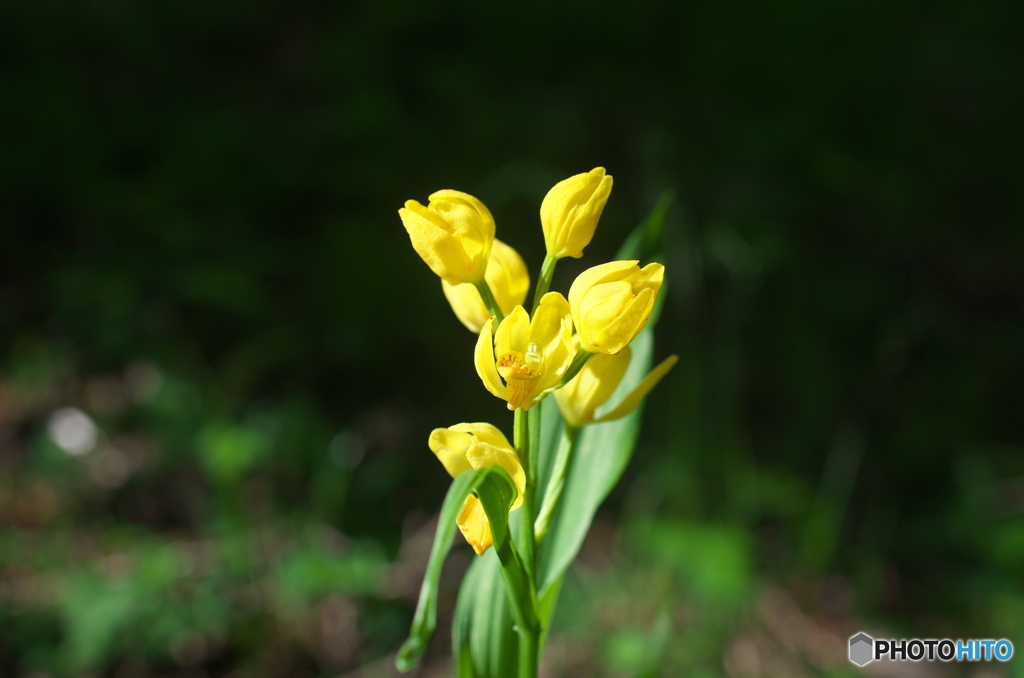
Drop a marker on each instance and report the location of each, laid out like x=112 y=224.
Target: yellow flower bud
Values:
x=453 y=235
x=570 y=212
x=526 y=357
x=612 y=302
x=466 y=447
x=508 y=279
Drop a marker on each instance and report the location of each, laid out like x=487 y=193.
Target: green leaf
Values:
x=644 y=242
x=496 y=492
x=551 y=425
x=484 y=641
x=602 y=452
x=546 y=607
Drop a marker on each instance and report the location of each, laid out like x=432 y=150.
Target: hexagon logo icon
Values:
x=861 y=649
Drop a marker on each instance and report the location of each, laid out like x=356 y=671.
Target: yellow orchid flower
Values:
x=530 y=356
x=612 y=302
x=570 y=212
x=598 y=380
x=467 y=447
x=508 y=279
x=453 y=235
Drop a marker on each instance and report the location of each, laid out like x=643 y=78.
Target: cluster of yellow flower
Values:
x=520 y=358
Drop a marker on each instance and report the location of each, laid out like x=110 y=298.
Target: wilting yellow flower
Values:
x=598 y=380
x=453 y=235
x=612 y=302
x=570 y=212
x=508 y=279
x=530 y=356
x=467 y=447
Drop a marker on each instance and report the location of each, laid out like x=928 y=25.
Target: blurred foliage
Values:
x=200 y=256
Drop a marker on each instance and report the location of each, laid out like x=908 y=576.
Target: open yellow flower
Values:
x=596 y=383
x=508 y=279
x=453 y=235
x=570 y=212
x=612 y=302
x=530 y=356
x=467 y=447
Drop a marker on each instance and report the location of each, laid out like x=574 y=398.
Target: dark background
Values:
x=200 y=251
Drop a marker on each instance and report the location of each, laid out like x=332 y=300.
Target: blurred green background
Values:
x=220 y=358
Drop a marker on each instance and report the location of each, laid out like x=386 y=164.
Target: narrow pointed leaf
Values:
x=645 y=241
x=495 y=489
x=602 y=452
x=484 y=641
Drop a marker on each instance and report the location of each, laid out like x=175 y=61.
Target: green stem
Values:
x=521 y=439
x=566 y=447
x=523 y=449
x=529 y=653
x=529 y=630
x=547 y=269
x=533 y=430
x=490 y=302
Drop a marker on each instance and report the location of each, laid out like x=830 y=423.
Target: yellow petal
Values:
x=485 y=222
x=651 y=275
x=508 y=279
x=507 y=276
x=560 y=357
x=483 y=432
x=627 y=325
x=513 y=333
x=436 y=244
x=613 y=270
x=482 y=455
x=546 y=327
x=630 y=402
x=551 y=334
x=570 y=212
x=472 y=522
x=603 y=304
x=470 y=219
x=453 y=235
x=611 y=303
x=467 y=303
x=450 y=446
x=426 y=214
x=483 y=357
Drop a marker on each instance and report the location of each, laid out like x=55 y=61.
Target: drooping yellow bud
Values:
x=570 y=212
x=508 y=279
x=612 y=302
x=466 y=447
x=596 y=383
x=526 y=357
x=453 y=235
